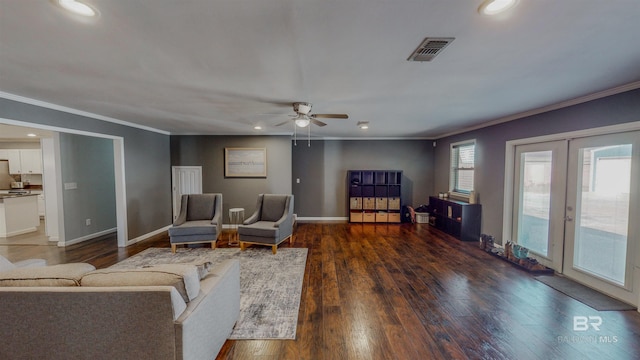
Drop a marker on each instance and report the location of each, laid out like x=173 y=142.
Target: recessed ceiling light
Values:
x=31 y=135
x=363 y=125
x=77 y=7
x=257 y=127
x=494 y=7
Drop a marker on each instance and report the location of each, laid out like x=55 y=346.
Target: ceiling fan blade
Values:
x=317 y=122
x=330 y=116
x=284 y=122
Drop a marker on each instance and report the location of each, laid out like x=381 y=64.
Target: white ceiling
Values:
x=220 y=67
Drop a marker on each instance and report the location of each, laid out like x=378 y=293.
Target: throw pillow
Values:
x=203 y=268
x=5 y=264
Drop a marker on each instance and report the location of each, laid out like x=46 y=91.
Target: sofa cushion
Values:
x=52 y=275
x=184 y=277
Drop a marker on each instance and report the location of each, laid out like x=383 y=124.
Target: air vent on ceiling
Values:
x=429 y=48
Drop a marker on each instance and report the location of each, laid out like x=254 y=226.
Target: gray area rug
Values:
x=270 y=285
x=584 y=294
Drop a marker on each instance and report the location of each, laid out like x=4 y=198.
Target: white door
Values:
x=184 y=180
x=538 y=202
x=602 y=210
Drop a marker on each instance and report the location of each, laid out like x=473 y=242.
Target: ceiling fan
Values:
x=303 y=118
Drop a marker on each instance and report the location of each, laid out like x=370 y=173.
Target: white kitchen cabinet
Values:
x=15 y=167
x=23 y=161
x=41 y=206
x=30 y=161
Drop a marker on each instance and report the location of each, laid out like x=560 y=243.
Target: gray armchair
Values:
x=200 y=220
x=270 y=224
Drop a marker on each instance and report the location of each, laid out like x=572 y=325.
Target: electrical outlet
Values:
x=88 y=222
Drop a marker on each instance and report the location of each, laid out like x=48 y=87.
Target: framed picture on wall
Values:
x=245 y=162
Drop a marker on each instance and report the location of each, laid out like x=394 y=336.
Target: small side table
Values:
x=236 y=217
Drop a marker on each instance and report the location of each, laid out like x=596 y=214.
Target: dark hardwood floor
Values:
x=408 y=292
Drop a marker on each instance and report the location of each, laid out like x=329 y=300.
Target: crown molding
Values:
x=26 y=100
x=579 y=100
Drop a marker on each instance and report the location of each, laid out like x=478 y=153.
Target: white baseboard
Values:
x=20 y=232
x=148 y=235
x=86 y=237
x=322 y=219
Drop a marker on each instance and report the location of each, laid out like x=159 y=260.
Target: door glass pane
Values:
x=602 y=214
x=535 y=201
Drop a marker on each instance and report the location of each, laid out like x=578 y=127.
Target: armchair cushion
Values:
x=201 y=208
x=196 y=227
x=273 y=207
x=261 y=229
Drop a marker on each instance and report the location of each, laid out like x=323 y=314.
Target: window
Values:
x=462 y=167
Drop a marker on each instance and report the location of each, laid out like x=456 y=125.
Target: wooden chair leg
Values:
x=173 y=248
x=214 y=244
x=274 y=249
x=292 y=239
x=242 y=246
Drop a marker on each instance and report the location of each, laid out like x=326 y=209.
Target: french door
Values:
x=576 y=208
x=540 y=179
x=602 y=213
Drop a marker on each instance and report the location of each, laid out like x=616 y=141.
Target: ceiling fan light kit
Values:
x=302 y=120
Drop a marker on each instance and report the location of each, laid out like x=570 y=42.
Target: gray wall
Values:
x=490 y=146
x=146 y=156
x=88 y=162
x=208 y=152
x=322 y=170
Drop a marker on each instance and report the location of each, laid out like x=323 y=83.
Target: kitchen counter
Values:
x=18 y=214
x=6 y=196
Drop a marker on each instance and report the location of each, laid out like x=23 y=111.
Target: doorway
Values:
x=572 y=205
x=184 y=180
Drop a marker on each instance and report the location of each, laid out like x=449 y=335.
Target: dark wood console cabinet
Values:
x=456 y=218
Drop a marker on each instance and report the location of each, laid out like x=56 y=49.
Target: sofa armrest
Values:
x=78 y=320
x=252 y=219
x=219 y=304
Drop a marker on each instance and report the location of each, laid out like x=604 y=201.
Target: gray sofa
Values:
x=58 y=319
